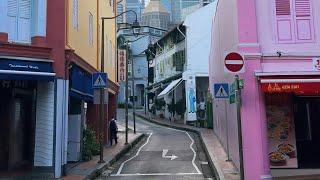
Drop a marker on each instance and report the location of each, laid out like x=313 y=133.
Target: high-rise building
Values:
x=155 y=15
x=134 y=5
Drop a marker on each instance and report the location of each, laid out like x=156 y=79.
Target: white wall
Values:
x=43 y=152
x=199 y=38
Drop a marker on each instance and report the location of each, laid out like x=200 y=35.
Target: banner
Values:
x=191 y=98
x=122 y=69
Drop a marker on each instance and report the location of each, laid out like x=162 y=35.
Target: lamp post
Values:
x=135 y=26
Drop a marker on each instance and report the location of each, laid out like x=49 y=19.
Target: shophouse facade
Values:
x=138 y=45
x=41 y=66
x=180 y=65
x=280 y=45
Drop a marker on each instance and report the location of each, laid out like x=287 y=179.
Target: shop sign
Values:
x=298 y=88
x=19 y=65
x=122 y=65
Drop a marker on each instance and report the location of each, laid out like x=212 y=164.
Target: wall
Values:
x=199 y=38
x=224 y=39
x=78 y=38
x=267 y=32
x=105 y=10
x=43 y=151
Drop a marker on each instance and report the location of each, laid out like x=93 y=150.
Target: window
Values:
x=19 y=20
x=75 y=10
x=294 y=21
x=90 y=35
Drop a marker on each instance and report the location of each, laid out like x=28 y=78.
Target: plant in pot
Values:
x=91 y=146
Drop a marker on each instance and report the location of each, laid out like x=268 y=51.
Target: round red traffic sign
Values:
x=234 y=62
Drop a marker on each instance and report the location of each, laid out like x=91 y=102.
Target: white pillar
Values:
x=62 y=94
x=39 y=18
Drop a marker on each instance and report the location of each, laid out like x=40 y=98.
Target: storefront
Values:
x=292 y=107
x=27 y=97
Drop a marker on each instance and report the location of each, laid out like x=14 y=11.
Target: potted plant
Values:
x=160 y=104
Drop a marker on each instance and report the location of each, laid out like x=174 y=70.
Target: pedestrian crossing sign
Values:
x=221 y=90
x=99 y=80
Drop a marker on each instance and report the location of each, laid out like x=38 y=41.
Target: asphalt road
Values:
x=165 y=154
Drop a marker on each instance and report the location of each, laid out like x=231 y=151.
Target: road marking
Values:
x=164 y=155
x=194 y=153
x=204 y=162
x=120 y=169
x=157 y=174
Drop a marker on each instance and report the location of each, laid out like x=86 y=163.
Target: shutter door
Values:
x=304 y=24
x=24 y=21
x=284 y=21
x=12 y=19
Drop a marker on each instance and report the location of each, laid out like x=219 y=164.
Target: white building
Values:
x=191 y=79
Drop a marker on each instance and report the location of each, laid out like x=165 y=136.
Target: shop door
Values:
x=5 y=114
x=21 y=145
x=307 y=125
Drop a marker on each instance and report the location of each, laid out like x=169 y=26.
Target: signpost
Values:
x=234 y=63
x=100 y=83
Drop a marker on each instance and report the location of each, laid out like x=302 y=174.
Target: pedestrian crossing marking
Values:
x=99 y=80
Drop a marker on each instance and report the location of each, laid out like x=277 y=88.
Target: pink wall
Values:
x=267 y=31
x=248 y=27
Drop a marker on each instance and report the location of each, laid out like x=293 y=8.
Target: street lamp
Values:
x=135 y=27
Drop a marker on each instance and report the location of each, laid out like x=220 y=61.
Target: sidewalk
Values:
x=224 y=169
x=91 y=169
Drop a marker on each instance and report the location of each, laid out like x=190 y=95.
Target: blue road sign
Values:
x=221 y=90
x=99 y=80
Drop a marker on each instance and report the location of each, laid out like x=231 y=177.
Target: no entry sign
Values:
x=234 y=62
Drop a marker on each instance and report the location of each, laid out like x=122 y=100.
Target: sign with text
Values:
x=297 y=88
x=122 y=69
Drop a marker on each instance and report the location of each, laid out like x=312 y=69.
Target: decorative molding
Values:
x=21 y=50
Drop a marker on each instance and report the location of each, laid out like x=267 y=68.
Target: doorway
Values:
x=307 y=123
x=17 y=127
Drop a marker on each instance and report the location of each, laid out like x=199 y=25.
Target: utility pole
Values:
x=238 y=102
x=126 y=105
x=101 y=126
x=133 y=97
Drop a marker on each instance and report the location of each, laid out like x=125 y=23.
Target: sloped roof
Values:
x=155 y=6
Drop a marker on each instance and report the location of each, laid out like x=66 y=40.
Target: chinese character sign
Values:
x=122 y=65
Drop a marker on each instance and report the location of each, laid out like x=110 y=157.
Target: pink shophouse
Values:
x=280 y=43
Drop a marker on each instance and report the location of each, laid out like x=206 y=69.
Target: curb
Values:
x=97 y=172
x=211 y=163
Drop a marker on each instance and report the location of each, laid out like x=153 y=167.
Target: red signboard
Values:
x=234 y=62
x=297 y=88
x=122 y=65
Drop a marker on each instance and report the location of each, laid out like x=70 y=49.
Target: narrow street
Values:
x=165 y=154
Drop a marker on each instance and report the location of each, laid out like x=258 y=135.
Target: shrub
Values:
x=91 y=146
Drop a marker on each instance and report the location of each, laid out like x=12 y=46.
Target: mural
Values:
x=191 y=98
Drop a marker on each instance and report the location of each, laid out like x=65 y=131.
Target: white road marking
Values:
x=164 y=155
x=157 y=174
x=120 y=169
x=204 y=162
x=194 y=153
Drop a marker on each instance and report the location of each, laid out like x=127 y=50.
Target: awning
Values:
x=13 y=69
x=154 y=89
x=300 y=85
x=80 y=84
x=170 y=88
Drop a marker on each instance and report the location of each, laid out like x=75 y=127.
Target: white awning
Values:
x=170 y=88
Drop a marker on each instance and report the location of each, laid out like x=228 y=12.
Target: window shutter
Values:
x=284 y=21
x=75 y=14
x=304 y=24
x=90 y=35
x=24 y=20
x=12 y=8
